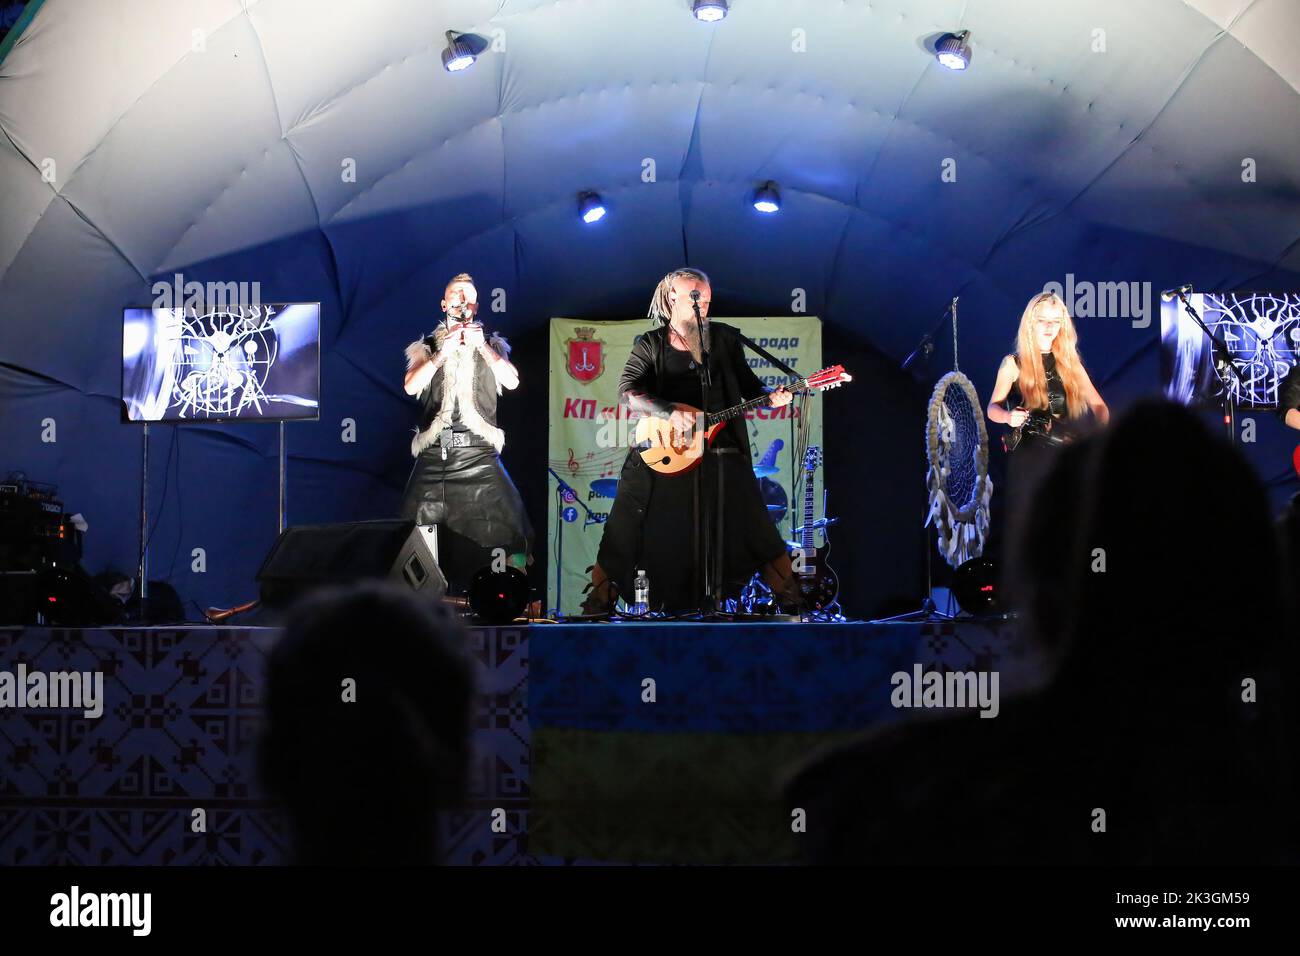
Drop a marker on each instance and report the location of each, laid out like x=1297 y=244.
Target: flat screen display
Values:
x=245 y=363
x=1261 y=330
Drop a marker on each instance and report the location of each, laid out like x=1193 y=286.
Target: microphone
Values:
x=1170 y=294
x=564 y=485
x=699 y=320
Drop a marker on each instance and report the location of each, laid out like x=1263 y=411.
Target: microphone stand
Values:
x=559 y=534
x=703 y=524
x=1222 y=362
x=925 y=348
x=928 y=611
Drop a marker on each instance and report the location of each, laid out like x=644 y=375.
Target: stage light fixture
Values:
x=953 y=50
x=766 y=198
x=709 y=11
x=975 y=586
x=498 y=597
x=590 y=207
x=459 y=54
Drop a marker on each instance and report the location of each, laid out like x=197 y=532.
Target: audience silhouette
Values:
x=1150 y=577
x=367 y=731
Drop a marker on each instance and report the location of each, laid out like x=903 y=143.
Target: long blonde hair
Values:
x=660 y=308
x=1065 y=347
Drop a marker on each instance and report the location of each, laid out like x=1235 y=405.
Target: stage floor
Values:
x=629 y=742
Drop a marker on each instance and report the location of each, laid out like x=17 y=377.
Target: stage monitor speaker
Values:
x=311 y=556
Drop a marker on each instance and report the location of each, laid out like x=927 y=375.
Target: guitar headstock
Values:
x=832 y=377
x=812 y=458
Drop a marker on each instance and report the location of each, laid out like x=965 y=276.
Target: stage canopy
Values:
x=1106 y=140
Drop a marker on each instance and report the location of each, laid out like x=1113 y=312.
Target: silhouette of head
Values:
x=1177 y=564
x=1042 y=540
x=367 y=725
x=1165 y=709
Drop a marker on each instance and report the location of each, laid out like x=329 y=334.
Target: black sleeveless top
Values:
x=1056 y=400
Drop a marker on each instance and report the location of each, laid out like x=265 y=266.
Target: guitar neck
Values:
x=728 y=413
x=807 y=535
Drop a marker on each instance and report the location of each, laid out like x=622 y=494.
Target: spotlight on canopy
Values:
x=459 y=54
x=953 y=50
x=590 y=207
x=766 y=198
x=710 y=11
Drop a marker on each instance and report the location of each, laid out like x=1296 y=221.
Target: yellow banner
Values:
x=589 y=439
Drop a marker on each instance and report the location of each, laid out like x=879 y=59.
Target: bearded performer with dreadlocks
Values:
x=651 y=525
x=458 y=481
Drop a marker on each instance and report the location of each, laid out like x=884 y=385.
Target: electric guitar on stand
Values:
x=817 y=582
x=671 y=454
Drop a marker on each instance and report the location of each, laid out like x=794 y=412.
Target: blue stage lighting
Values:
x=590 y=207
x=767 y=199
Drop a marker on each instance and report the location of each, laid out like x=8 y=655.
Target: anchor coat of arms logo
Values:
x=586 y=356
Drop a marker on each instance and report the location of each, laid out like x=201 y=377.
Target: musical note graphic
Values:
x=602 y=462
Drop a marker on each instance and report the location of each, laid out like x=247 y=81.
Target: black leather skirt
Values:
x=476 y=506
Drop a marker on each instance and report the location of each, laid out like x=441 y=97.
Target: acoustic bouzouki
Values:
x=676 y=454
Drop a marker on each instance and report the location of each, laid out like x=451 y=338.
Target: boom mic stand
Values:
x=1222 y=362
x=563 y=487
x=925 y=348
x=928 y=611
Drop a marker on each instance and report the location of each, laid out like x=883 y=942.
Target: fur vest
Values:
x=464 y=389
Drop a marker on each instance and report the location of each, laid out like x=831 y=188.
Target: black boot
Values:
x=789 y=597
x=600 y=601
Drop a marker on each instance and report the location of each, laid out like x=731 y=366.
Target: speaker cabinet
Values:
x=307 y=557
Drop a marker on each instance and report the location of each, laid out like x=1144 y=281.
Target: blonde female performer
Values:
x=1044 y=382
x=1044 y=393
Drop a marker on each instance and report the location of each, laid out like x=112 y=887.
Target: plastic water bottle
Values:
x=641 y=593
